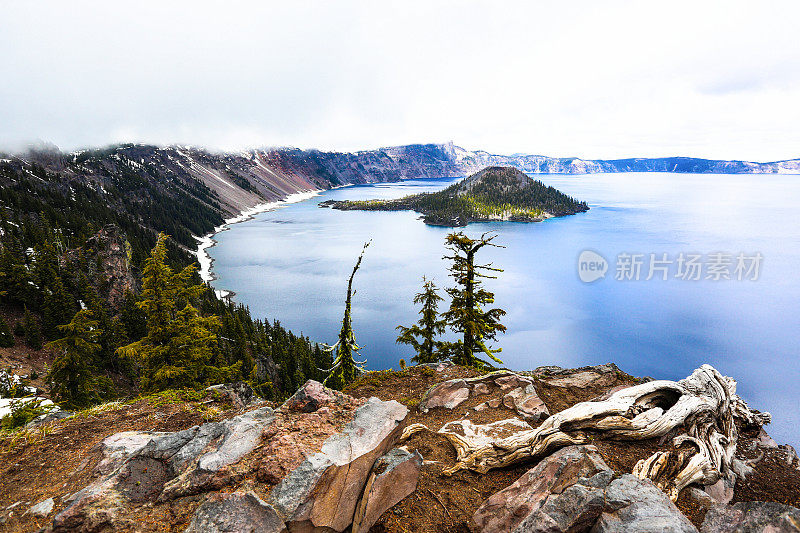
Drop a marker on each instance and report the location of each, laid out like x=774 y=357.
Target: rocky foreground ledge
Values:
x=432 y=448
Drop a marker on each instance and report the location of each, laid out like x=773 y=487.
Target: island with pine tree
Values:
x=494 y=193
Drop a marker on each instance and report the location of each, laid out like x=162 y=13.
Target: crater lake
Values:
x=292 y=264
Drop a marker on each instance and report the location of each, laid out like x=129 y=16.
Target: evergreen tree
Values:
x=33 y=333
x=58 y=308
x=71 y=381
x=133 y=319
x=345 y=368
x=179 y=346
x=466 y=314
x=6 y=338
x=427 y=328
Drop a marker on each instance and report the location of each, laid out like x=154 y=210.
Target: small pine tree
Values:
x=422 y=335
x=345 y=368
x=33 y=333
x=179 y=346
x=466 y=314
x=133 y=318
x=6 y=338
x=71 y=381
x=58 y=307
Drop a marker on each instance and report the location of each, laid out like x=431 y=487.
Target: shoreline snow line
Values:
x=207 y=241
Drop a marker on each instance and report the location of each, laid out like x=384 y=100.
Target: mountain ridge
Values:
x=213 y=186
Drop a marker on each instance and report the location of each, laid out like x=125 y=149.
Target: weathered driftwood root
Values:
x=701 y=408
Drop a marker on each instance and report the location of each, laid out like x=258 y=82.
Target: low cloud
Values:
x=607 y=80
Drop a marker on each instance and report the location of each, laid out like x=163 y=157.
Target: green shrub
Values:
x=171 y=396
x=23 y=412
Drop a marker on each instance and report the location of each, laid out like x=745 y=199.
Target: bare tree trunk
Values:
x=702 y=407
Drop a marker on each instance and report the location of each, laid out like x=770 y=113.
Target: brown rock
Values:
x=310 y=397
x=324 y=490
x=480 y=388
x=394 y=476
x=540 y=500
x=448 y=394
x=510 y=381
x=526 y=403
x=721 y=491
x=582 y=379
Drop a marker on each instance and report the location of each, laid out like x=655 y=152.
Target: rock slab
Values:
x=539 y=499
x=752 y=517
x=572 y=491
x=394 y=476
x=239 y=512
x=324 y=490
x=634 y=505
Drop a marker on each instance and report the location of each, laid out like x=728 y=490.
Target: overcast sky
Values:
x=592 y=79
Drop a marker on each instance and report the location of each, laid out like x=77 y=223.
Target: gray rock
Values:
x=52 y=416
x=324 y=490
x=741 y=469
x=43 y=508
x=634 y=505
x=205 y=467
x=789 y=455
x=450 y=394
x=141 y=466
x=119 y=447
x=394 y=476
x=239 y=393
x=752 y=517
x=564 y=492
x=575 y=509
x=236 y=512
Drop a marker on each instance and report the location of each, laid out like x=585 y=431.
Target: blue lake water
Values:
x=293 y=264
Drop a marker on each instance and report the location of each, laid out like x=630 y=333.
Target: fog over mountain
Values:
x=596 y=80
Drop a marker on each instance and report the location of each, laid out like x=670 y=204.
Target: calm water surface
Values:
x=293 y=264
